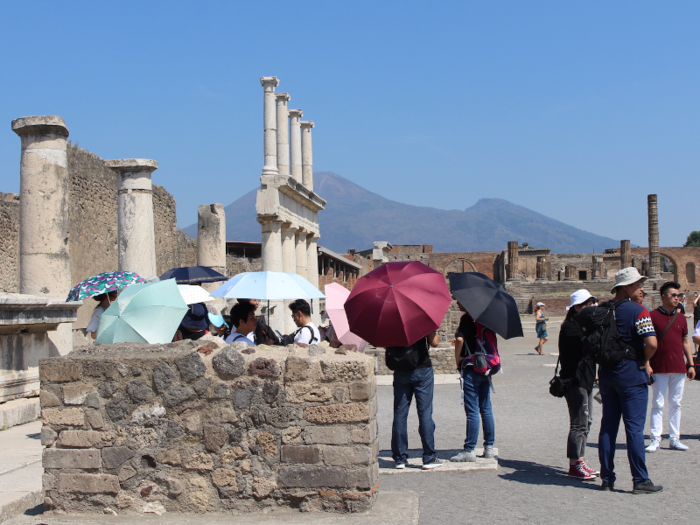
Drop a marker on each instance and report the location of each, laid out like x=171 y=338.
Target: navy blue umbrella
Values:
x=487 y=302
x=193 y=274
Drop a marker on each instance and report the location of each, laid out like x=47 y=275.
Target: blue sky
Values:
x=577 y=110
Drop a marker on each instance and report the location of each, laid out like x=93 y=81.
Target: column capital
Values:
x=269 y=83
x=126 y=165
x=296 y=113
x=307 y=124
x=43 y=124
x=283 y=97
x=313 y=237
x=289 y=227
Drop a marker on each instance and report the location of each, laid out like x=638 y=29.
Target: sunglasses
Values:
x=676 y=295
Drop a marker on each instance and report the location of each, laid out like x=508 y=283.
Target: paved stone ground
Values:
x=529 y=485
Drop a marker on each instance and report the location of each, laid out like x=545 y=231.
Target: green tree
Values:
x=693 y=239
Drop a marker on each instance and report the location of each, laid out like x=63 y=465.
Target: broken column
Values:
x=654 y=255
x=381 y=248
x=283 y=133
x=211 y=237
x=625 y=254
x=597 y=268
x=512 y=269
x=44 y=221
x=541 y=268
x=270 y=125
x=295 y=143
x=307 y=158
x=137 y=244
x=571 y=273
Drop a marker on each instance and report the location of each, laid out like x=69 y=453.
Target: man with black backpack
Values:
x=624 y=384
x=307 y=333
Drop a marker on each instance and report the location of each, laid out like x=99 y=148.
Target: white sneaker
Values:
x=654 y=445
x=676 y=444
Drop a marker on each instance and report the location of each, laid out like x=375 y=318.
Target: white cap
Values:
x=579 y=297
x=627 y=276
x=540 y=304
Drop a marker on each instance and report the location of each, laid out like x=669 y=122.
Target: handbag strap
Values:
x=673 y=320
x=556 y=368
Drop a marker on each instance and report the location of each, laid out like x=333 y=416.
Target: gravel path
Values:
x=531 y=429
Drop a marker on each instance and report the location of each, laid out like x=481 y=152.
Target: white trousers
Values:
x=673 y=385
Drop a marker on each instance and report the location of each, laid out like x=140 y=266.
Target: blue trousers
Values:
x=477 y=402
x=628 y=403
x=419 y=382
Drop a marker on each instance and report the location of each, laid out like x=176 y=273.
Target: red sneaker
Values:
x=577 y=471
x=591 y=471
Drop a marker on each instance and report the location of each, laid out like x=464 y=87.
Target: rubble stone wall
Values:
x=9 y=242
x=136 y=428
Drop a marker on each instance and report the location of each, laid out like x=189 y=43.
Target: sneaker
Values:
x=399 y=465
x=465 y=455
x=577 y=471
x=676 y=444
x=488 y=452
x=647 y=488
x=654 y=445
x=591 y=471
x=433 y=463
x=607 y=486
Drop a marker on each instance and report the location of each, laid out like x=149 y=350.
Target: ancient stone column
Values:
x=137 y=243
x=654 y=255
x=512 y=270
x=272 y=261
x=312 y=273
x=307 y=158
x=570 y=273
x=211 y=237
x=625 y=254
x=283 y=133
x=597 y=268
x=270 y=125
x=295 y=143
x=44 y=221
x=301 y=253
x=541 y=268
x=289 y=265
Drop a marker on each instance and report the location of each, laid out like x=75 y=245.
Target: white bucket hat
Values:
x=579 y=297
x=627 y=276
x=540 y=304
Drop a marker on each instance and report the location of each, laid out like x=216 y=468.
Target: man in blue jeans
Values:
x=415 y=378
x=623 y=387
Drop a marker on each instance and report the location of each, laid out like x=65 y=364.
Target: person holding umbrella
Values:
x=103 y=300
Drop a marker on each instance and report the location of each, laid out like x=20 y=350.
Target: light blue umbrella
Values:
x=143 y=313
x=269 y=286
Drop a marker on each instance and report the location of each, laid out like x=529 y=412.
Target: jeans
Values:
x=477 y=401
x=673 y=384
x=630 y=404
x=418 y=382
x=580 y=403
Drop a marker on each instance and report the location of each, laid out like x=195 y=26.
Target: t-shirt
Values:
x=235 y=337
x=669 y=357
x=304 y=334
x=634 y=324
x=95 y=319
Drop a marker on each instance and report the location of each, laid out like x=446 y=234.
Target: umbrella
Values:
x=397 y=303
x=192 y=294
x=487 y=302
x=267 y=285
x=143 y=313
x=193 y=274
x=336 y=296
x=103 y=283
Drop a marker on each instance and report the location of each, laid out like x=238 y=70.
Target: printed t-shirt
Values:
x=669 y=358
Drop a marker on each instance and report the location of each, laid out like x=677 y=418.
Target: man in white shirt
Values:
x=307 y=333
x=244 y=321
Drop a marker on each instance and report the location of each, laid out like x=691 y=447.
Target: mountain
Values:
x=355 y=217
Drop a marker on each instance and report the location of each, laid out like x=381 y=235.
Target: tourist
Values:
x=307 y=332
x=220 y=326
x=476 y=387
x=103 y=300
x=696 y=316
x=670 y=364
x=541 y=327
x=413 y=377
x=195 y=324
x=623 y=387
x=580 y=372
x=263 y=334
x=243 y=319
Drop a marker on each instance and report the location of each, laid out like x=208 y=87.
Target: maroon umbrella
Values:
x=397 y=304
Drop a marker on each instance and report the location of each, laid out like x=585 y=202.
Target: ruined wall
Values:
x=236 y=265
x=137 y=428
x=9 y=242
x=483 y=262
x=173 y=248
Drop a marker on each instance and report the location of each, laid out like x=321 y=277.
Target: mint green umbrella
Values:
x=143 y=313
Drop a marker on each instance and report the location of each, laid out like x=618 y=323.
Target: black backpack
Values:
x=601 y=340
x=289 y=339
x=406 y=358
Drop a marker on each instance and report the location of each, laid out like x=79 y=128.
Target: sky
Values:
x=576 y=110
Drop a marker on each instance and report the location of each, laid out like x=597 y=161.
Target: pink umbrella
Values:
x=336 y=296
x=398 y=303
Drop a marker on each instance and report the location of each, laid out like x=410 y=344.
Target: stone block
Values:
x=262 y=487
x=76 y=393
x=344 y=456
x=163 y=377
x=59 y=370
x=116 y=408
x=363 y=478
x=264 y=367
x=57 y=416
x=308 y=393
x=138 y=391
x=326 y=435
x=301 y=369
x=48 y=482
x=328 y=414
x=199 y=462
x=93 y=400
x=232 y=454
x=267 y=443
x=48 y=436
x=177 y=395
x=364 y=434
x=345 y=371
x=222 y=477
x=215 y=437
x=191 y=367
x=309 y=455
x=48 y=399
x=200 y=499
x=113 y=457
x=222 y=414
x=170 y=457
x=362 y=390
x=229 y=362
x=80 y=438
x=71 y=458
x=94 y=419
x=291 y=435
x=88 y=483
x=312 y=477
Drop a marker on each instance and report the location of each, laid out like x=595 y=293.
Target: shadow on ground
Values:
x=537 y=474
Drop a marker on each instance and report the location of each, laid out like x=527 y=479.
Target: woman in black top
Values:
x=580 y=371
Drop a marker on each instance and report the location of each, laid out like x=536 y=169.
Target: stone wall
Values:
x=151 y=428
x=9 y=242
x=236 y=265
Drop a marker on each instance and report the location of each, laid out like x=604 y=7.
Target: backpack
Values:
x=601 y=340
x=484 y=357
x=406 y=358
x=289 y=339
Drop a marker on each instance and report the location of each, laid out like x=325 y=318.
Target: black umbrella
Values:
x=487 y=302
x=193 y=274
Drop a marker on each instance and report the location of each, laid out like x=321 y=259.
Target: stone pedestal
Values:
x=654 y=255
x=44 y=221
x=137 y=245
x=512 y=268
x=307 y=158
x=625 y=254
x=295 y=143
x=283 y=133
x=541 y=269
x=211 y=240
x=270 y=125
